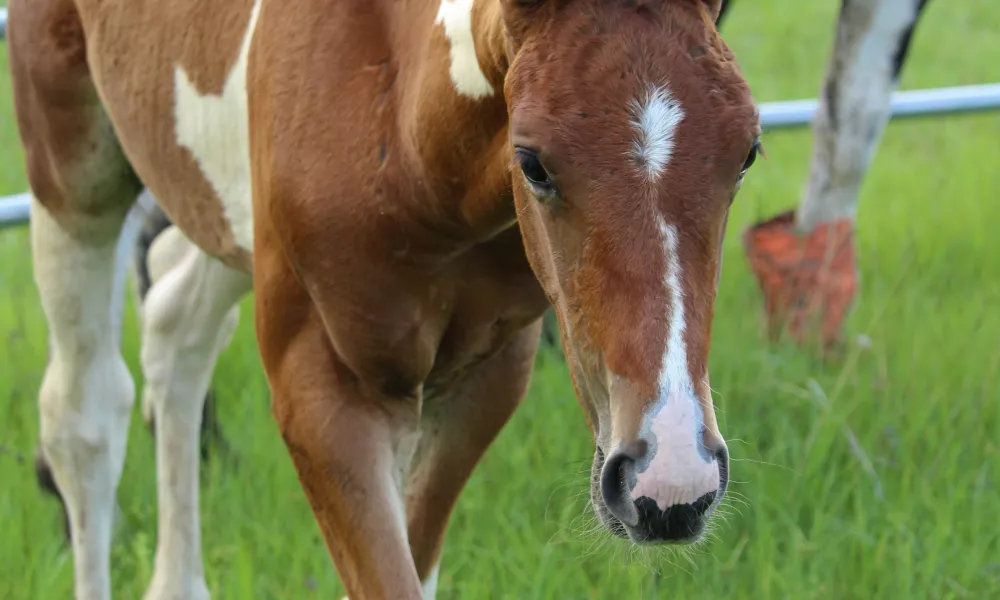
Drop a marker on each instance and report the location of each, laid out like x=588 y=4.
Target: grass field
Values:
x=809 y=516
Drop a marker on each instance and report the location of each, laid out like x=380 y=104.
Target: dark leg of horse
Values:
x=458 y=424
x=804 y=259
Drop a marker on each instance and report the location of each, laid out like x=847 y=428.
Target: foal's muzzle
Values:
x=676 y=516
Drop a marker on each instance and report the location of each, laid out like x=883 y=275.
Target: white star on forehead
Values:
x=655 y=119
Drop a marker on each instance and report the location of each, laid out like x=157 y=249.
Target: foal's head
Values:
x=632 y=130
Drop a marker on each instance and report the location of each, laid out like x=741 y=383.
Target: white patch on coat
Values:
x=215 y=129
x=680 y=470
x=656 y=118
x=466 y=74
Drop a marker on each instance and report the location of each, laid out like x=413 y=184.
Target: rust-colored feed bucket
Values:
x=808 y=280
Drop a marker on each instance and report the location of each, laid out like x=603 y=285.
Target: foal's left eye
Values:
x=536 y=175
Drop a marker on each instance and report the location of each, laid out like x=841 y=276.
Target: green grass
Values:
x=807 y=520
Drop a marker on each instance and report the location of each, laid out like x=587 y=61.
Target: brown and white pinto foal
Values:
x=406 y=187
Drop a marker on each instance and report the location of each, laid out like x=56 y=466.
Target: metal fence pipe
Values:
x=911 y=103
x=14 y=210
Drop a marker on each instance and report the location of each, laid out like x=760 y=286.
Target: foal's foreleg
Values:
x=350 y=441
x=458 y=425
x=189 y=316
x=872 y=40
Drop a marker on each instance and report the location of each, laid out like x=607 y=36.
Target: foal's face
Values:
x=632 y=130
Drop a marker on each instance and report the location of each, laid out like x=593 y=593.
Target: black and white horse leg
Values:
x=872 y=40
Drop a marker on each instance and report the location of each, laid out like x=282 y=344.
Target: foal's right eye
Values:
x=536 y=175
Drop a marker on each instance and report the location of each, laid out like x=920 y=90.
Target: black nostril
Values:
x=701 y=505
x=614 y=481
x=678 y=522
x=722 y=456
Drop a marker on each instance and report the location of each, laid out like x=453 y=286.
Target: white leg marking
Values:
x=87 y=393
x=466 y=74
x=431 y=583
x=656 y=118
x=189 y=317
x=861 y=82
x=166 y=252
x=216 y=131
x=679 y=470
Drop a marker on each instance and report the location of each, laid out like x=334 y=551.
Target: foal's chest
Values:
x=496 y=296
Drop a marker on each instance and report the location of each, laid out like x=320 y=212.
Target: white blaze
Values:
x=215 y=129
x=679 y=471
x=674 y=375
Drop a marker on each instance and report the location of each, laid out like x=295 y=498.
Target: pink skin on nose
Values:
x=678 y=472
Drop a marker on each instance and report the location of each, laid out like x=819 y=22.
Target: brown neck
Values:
x=462 y=139
x=491 y=40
